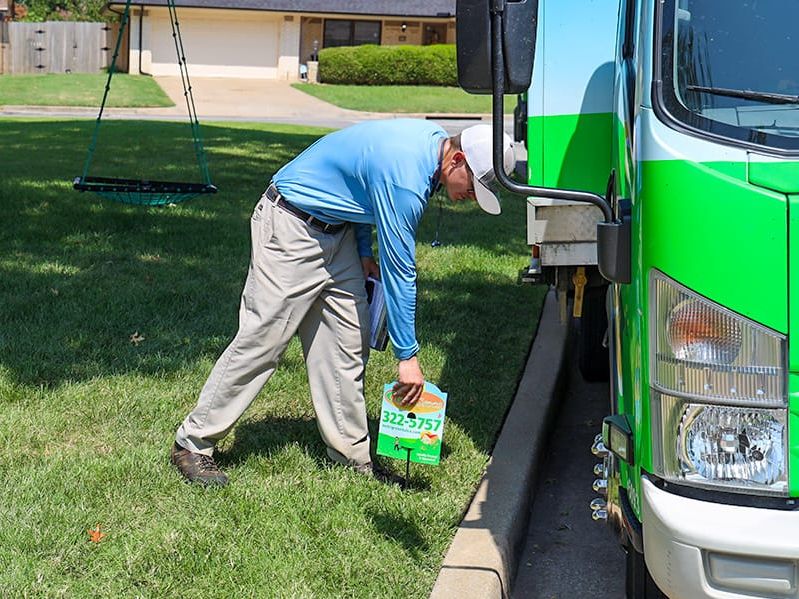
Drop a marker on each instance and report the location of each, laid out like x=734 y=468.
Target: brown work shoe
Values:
x=379 y=473
x=197 y=467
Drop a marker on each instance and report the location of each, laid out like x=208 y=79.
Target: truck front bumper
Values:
x=697 y=549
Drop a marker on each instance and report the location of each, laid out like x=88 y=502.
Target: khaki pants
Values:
x=302 y=281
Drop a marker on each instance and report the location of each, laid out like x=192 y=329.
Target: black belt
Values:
x=277 y=198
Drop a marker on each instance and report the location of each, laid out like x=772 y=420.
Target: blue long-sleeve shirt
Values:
x=377 y=173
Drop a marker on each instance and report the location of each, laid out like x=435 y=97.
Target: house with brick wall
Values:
x=270 y=39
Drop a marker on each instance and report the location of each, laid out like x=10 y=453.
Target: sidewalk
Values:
x=482 y=561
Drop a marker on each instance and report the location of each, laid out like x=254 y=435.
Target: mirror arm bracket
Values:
x=498 y=73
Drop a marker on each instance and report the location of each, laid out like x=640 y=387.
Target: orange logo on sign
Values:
x=427 y=404
x=428 y=438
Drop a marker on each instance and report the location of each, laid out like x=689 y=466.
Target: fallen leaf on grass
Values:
x=95 y=536
x=135 y=338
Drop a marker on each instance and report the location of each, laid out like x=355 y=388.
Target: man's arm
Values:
x=363 y=237
x=397 y=213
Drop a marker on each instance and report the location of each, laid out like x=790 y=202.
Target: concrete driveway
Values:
x=226 y=99
x=277 y=101
x=253 y=99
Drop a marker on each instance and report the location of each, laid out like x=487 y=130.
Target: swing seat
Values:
x=142 y=193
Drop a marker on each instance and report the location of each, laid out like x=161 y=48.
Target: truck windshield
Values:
x=732 y=69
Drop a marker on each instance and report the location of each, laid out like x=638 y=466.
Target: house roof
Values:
x=383 y=8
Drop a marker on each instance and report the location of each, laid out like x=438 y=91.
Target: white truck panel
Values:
x=566 y=231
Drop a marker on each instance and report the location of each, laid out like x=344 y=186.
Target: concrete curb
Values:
x=481 y=562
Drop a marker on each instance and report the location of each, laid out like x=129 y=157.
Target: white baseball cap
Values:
x=477 y=144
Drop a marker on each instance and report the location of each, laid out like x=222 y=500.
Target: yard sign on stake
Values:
x=413 y=433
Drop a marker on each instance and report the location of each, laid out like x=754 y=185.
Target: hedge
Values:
x=389 y=65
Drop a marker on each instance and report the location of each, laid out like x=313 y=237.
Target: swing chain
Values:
x=131 y=191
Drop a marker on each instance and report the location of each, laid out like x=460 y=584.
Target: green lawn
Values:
x=403 y=98
x=87 y=416
x=80 y=89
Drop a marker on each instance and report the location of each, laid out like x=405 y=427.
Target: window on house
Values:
x=341 y=32
x=434 y=33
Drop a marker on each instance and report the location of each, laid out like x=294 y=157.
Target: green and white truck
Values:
x=663 y=193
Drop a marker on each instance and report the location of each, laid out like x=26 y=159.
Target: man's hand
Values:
x=410 y=382
x=370 y=267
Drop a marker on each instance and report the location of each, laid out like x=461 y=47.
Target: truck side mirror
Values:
x=613 y=239
x=473 y=41
x=496 y=44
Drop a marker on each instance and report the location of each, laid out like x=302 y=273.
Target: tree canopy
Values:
x=61 y=10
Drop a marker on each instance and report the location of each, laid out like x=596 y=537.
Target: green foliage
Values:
x=389 y=65
x=64 y=10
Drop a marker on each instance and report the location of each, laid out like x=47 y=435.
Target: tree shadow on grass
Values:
x=476 y=354
x=400 y=529
x=79 y=276
x=268 y=436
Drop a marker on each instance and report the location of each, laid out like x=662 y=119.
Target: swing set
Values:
x=139 y=191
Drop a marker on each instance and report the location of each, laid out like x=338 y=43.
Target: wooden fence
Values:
x=3 y=45
x=57 y=47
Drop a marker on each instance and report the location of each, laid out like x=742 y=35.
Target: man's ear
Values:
x=458 y=157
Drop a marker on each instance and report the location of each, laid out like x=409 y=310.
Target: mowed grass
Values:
x=81 y=89
x=87 y=415
x=403 y=98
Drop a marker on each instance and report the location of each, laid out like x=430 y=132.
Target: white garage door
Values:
x=217 y=47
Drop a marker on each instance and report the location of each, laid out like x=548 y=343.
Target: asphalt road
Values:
x=568 y=555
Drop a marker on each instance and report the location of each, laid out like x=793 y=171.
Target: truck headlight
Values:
x=702 y=350
x=730 y=448
x=719 y=400
x=696 y=333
